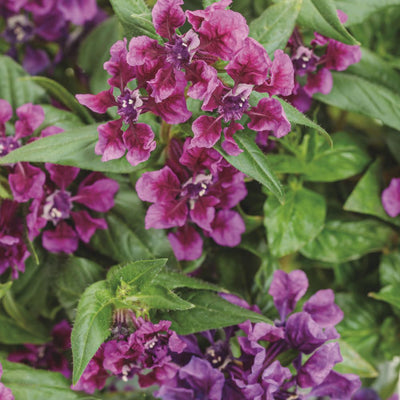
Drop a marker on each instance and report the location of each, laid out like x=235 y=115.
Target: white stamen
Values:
x=55 y=213
x=130 y=101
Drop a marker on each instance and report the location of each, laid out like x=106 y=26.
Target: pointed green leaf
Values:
x=210 y=312
x=58 y=92
x=4 y=288
x=27 y=383
x=253 y=162
x=137 y=275
x=321 y=16
x=275 y=25
x=91 y=327
x=160 y=298
x=135 y=17
x=60 y=118
x=74 y=147
x=390 y=294
x=389 y=268
x=12 y=332
x=173 y=280
x=297 y=221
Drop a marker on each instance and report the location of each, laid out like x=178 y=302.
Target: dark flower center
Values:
x=304 y=60
x=129 y=103
x=196 y=187
x=178 y=53
x=218 y=355
x=57 y=206
x=19 y=29
x=233 y=107
x=7 y=144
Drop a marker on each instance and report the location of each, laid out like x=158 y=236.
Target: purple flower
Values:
x=391 y=198
x=196 y=186
x=96 y=192
x=196 y=380
x=5 y=393
x=337 y=56
x=95 y=376
x=49 y=356
x=365 y=394
x=13 y=250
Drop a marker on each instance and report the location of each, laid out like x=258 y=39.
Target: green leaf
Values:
x=4 y=288
x=389 y=268
x=366 y=196
x=137 y=275
x=323 y=163
x=296 y=117
x=342 y=241
x=135 y=17
x=12 y=333
x=60 y=118
x=91 y=56
x=27 y=383
x=74 y=147
x=354 y=363
x=275 y=25
x=58 y=92
x=390 y=294
x=173 y=280
x=359 y=10
x=357 y=94
x=210 y=312
x=74 y=276
x=160 y=298
x=321 y=16
x=294 y=223
x=92 y=325
x=253 y=162
x=119 y=242
x=14 y=88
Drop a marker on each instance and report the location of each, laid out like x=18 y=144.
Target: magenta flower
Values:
x=13 y=250
x=26 y=181
x=95 y=192
x=337 y=56
x=5 y=393
x=196 y=187
x=391 y=198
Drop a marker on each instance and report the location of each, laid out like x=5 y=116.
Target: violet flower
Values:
x=5 y=393
x=95 y=192
x=13 y=250
x=195 y=187
x=391 y=198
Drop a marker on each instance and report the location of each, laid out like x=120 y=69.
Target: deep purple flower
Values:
x=365 y=394
x=48 y=356
x=95 y=192
x=196 y=380
x=13 y=250
x=5 y=393
x=196 y=186
x=391 y=198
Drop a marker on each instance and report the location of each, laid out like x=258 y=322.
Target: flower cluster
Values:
x=257 y=373
x=196 y=187
x=28 y=22
x=316 y=68
x=50 y=201
x=187 y=64
x=50 y=356
x=147 y=352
